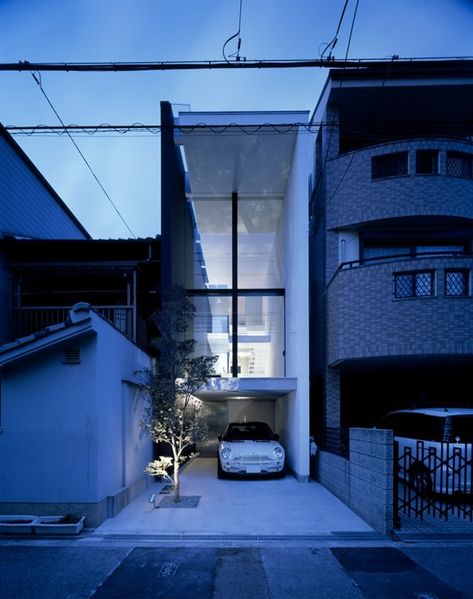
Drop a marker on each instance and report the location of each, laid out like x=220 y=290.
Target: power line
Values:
x=330 y=63
x=37 y=78
x=237 y=34
x=229 y=129
x=333 y=42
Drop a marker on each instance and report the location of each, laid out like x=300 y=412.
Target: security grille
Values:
x=389 y=165
x=413 y=284
x=456 y=283
x=403 y=286
x=459 y=164
x=434 y=481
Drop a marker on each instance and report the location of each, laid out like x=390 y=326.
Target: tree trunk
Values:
x=176 y=493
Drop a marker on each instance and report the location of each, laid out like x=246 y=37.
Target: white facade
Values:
x=236 y=231
x=70 y=437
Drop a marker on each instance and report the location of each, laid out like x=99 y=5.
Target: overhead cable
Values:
x=37 y=78
x=332 y=63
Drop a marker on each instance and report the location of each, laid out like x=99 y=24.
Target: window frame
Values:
x=434 y=154
x=376 y=162
x=459 y=155
x=413 y=274
x=466 y=274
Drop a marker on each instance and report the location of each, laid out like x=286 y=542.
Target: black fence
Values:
x=433 y=479
x=334 y=440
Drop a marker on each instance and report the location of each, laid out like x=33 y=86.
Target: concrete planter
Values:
x=57 y=525
x=17 y=524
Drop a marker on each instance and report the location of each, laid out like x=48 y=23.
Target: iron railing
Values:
x=28 y=320
x=434 y=479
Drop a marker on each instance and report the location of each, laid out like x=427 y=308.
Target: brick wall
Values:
x=365 y=320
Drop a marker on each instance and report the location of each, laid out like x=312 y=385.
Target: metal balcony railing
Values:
x=28 y=320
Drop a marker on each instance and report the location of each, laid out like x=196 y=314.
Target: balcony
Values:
x=372 y=314
x=28 y=320
x=400 y=179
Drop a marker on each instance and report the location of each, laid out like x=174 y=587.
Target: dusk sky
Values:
x=158 y=30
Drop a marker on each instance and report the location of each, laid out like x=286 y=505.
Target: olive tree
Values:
x=173 y=417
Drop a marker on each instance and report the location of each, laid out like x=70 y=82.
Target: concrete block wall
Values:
x=364 y=481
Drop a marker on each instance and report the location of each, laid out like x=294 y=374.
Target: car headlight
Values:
x=226 y=453
x=278 y=453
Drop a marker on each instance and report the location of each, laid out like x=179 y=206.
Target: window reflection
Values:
x=212 y=243
x=261 y=336
x=212 y=331
x=260 y=243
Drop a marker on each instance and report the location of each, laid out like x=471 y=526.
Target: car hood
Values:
x=248 y=448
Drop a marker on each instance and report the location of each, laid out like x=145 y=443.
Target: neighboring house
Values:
x=234 y=234
x=70 y=412
x=29 y=208
x=71 y=408
x=391 y=242
x=120 y=278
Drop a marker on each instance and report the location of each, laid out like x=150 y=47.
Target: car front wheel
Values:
x=221 y=474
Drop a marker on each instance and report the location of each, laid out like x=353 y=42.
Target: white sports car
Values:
x=249 y=448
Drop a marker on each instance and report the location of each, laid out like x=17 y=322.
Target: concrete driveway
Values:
x=237 y=507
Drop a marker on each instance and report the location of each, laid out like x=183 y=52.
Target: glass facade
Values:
x=238 y=283
x=260 y=247
x=261 y=336
x=213 y=330
x=212 y=263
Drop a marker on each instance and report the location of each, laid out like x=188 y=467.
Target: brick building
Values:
x=391 y=222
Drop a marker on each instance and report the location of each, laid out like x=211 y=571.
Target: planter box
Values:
x=54 y=525
x=17 y=524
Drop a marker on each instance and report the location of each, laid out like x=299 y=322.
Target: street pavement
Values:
x=58 y=570
x=264 y=539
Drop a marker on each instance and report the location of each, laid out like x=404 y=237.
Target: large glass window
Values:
x=260 y=248
x=212 y=243
x=261 y=336
x=213 y=332
x=238 y=282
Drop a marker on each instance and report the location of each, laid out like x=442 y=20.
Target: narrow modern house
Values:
x=391 y=221
x=234 y=234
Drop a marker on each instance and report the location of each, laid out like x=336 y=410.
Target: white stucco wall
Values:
x=292 y=412
x=71 y=432
x=48 y=444
x=122 y=451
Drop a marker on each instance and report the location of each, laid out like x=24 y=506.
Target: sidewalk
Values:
x=237 y=507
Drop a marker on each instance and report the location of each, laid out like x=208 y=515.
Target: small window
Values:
x=389 y=165
x=459 y=164
x=456 y=283
x=414 y=284
x=427 y=162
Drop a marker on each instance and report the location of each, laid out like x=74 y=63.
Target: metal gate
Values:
x=433 y=480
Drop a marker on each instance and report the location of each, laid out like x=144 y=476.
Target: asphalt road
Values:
x=73 y=572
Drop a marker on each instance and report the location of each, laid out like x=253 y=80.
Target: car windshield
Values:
x=251 y=431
